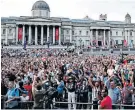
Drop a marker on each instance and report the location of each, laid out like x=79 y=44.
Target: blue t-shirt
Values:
x=14 y=92
x=60 y=87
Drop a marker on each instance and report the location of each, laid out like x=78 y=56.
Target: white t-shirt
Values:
x=23 y=99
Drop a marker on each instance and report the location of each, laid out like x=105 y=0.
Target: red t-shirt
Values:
x=29 y=89
x=125 y=62
x=106 y=103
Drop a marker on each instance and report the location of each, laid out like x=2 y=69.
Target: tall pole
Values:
x=122 y=52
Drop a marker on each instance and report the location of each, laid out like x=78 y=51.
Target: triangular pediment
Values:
x=39 y=19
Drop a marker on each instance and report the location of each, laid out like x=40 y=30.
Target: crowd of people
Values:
x=45 y=76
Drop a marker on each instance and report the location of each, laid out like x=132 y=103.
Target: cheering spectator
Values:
x=12 y=95
x=106 y=103
x=127 y=95
x=113 y=92
x=71 y=92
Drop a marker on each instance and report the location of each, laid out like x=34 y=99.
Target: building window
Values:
x=116 y=33
x=67 y=32
x=80 y=32
x=62 y=31
x=122 y=41
x=122 y=33
x=73 y=33
x=4 y=31
x=10 y=31
x=111 y=33
x=116 y=41
x=99 y=33
x=130 y=33
x=87 y=33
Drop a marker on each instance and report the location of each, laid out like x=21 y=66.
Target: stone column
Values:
x=42 y=33
x=59 y=35
x=71 y=35
x=47 y=33
x=53 y=34
x=91 y=37
x=23 y=38
x=109 y=38
x=16 y=34
x=104 y=37
x=6 y=38
x=29 y=34
x=36 y=35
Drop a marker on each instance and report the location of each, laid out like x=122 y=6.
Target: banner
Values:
x=20 y=32
x=125 y=43
x=57 y=34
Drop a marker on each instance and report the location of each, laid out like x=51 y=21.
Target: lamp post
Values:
x=75 y=40
x=122 y=52
x=48 y=43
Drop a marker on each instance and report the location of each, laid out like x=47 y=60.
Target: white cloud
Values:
x=115 y=9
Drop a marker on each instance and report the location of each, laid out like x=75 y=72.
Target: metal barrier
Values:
x=132 y=50
x=29 y=104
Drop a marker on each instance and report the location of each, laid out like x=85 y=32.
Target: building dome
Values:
x=41 y=9
x=41 y=5
x=128 y=15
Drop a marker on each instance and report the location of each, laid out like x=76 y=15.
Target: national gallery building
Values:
x=40 y=29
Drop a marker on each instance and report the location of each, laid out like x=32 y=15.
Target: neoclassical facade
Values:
x=40 y=28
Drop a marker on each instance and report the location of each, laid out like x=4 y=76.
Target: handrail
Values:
x=120 y=105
